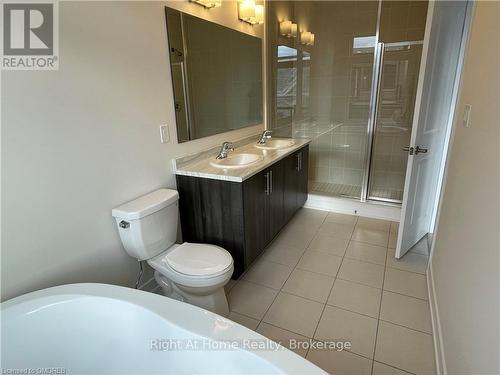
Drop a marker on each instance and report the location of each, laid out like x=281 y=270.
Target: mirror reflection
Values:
x=216 y=76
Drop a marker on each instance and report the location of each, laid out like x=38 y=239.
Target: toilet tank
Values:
x=148 y=225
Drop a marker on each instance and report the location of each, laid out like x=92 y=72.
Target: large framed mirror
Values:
x=216 y=76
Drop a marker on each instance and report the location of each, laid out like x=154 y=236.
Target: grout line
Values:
x=279 y=291
x=331 y=289
x=402 y=326
x=379 y=311
x=397 y=368
x=352 y=311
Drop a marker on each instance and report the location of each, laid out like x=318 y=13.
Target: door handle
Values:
x=270 y=182
x=408 y=149
x=420 y=150
x=266 y=190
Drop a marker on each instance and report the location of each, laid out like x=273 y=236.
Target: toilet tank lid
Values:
x=146 y=205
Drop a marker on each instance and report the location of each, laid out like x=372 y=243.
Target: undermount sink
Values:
x=235 y=161
x=276 y=144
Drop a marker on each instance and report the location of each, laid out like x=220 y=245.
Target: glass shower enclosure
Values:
x=352 y=91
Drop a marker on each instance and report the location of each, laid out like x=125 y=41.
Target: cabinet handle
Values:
x=298 y=162
x=270 y=182
x=266 y=190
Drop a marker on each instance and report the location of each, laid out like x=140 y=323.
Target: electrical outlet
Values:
x=466 y=119
x=164 y=135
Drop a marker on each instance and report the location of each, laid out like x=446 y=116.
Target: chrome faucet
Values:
x=226 y=147
x=266 y=134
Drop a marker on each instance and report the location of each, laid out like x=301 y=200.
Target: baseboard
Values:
x=437 y=335
x=354 y=207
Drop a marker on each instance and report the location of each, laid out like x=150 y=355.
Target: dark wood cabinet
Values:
x=296 y=179
x=243 y=217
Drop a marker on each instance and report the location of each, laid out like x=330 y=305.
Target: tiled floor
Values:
x=333 y=277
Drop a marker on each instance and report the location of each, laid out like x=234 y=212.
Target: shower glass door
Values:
x=400 y=62
x=352 y=91
x=322 y=91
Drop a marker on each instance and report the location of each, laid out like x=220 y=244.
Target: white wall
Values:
x=78 y=141
x=465 y=263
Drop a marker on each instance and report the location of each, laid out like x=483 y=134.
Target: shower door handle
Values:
x=409 y=149
x=421 y=150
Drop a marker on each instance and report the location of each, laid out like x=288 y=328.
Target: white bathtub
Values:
x=105 y=329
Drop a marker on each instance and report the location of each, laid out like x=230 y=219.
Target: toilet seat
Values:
x=199 y=259
x=161 y=264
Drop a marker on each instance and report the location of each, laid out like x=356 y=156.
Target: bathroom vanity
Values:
x=242 y=209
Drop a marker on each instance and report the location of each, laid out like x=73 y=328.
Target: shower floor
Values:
x=353 y=191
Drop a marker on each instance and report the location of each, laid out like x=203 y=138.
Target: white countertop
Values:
x=199 y=165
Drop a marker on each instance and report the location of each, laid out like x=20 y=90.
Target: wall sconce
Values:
x=307 y=38
x=251 y=13
x=208 y=3
x=288 y=29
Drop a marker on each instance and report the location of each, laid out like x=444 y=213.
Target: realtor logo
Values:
x=29 y=36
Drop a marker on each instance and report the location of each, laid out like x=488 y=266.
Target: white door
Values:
x=433 y=117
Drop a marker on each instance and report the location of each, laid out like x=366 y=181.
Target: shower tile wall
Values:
x=340 y=84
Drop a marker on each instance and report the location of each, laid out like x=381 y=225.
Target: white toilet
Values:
x=193 y=273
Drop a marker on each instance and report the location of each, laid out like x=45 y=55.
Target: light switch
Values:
x=466 y=119
x=164 y=136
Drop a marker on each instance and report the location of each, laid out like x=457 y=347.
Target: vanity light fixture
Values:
x=259 y=14
x=307 y=38
x=251 y=13
x=288 y=29
x=208 y=3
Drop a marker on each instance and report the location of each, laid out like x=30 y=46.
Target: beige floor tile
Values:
x=371 y=236
x=383 y=369
x=366 y=252
x=403 y=282
x=329 y=244
x=393 y=240
x=292 y=237
x=394 y=227
x=311 y=214
x=377 y=224
x=251 y=299
x=230 y=284
x=405 y=349
x=320 y=262
x=270 y=274
x=340 y=362
x=336 y=230
x=309 y=285
x=406 y=311
x=244 y=320
x=284 y=338
x=334 y=217
x=304 y=224
x=355 y=297
x=283 y=254
x=409 y=262
x=362 y=272
x=294 y=313
x=337 y=324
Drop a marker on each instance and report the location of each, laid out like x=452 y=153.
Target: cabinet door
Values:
x=303 y=175
x=276 y=175
x=255 y=210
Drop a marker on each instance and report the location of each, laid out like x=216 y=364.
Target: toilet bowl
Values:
x=196 y=274
x=193 y=273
